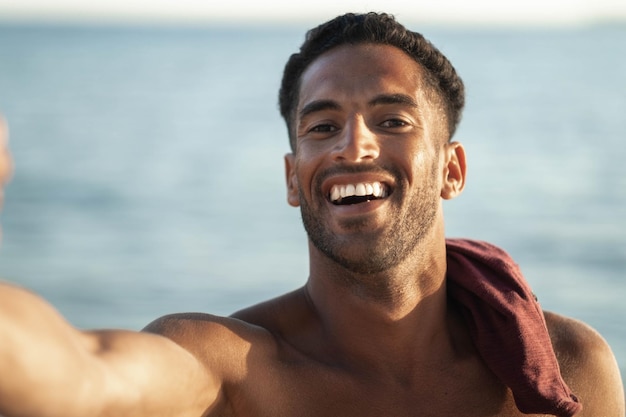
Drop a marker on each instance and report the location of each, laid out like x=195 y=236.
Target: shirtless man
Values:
x=373 y=332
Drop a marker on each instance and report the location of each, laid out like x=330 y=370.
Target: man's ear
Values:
x=293 y=194
x=454 y=171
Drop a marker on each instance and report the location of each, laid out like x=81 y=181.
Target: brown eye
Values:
x=323 y=128
x=394 y=123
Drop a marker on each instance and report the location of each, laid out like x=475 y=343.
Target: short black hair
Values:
x=377 y=28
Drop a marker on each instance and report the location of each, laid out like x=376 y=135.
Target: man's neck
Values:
x=383 y=320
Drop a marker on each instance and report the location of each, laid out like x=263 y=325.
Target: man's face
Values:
x=367 y=168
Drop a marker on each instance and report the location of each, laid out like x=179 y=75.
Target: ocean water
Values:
x=150 y=173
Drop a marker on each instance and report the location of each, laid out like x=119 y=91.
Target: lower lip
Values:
x=357 y=209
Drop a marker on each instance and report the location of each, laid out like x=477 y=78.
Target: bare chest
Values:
x=310 y=391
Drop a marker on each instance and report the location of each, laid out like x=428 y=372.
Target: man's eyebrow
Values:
x=318 y=105
x=403 y=99
x=381 y=99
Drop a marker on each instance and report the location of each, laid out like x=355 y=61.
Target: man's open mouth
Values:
x=357 y=193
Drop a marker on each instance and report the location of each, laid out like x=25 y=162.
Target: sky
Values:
x=454 y=12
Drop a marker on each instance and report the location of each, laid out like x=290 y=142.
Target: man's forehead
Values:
x=364 y=70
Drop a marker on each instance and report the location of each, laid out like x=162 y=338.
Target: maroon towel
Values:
x=507 y=326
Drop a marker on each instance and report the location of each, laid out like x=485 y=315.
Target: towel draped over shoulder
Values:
x=507 y=326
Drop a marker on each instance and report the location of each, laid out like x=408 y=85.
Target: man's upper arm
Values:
x=150 y=375
x=588 y=366
x=51 y=369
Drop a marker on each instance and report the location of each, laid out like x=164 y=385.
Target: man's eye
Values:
x=394 y=123
x=323 y=128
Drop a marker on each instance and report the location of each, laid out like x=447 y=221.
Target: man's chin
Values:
x=361 y=254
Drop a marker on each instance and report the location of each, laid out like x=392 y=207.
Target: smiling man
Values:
x=394 y=319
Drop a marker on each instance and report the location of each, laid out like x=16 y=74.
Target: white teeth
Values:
x=335 y=194
x=375 y=189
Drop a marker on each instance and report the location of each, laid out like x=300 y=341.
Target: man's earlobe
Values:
x=455 y=170
x=293 y=195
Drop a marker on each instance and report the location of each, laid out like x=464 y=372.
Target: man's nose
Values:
x=357 y=143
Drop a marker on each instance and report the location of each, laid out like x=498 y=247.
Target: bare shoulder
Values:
x=281 y=315
x=220 y=343
x=188 y=327
x=252 y=331
x=587 y=365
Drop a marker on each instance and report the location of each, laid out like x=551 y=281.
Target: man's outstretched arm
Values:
x=50 y=369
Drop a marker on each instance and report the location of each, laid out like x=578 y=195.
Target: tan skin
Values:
x=6 y=163
x=347 y=343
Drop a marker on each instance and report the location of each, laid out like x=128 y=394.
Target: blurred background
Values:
x=148 y=148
